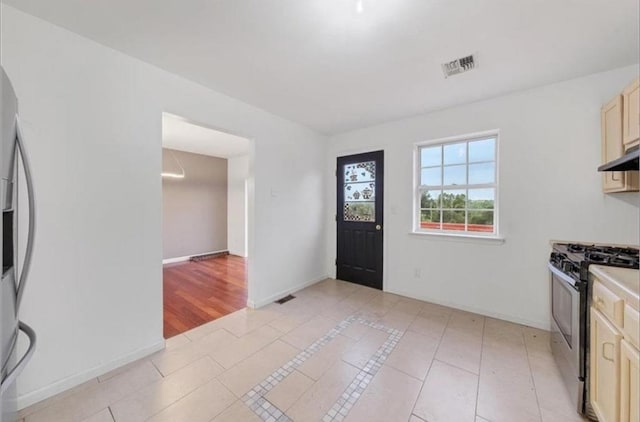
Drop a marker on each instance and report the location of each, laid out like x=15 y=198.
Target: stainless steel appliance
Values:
x=12 y=283
x=629 y=161
x=570 y=301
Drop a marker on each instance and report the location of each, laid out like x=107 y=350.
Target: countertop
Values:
x=622 y=281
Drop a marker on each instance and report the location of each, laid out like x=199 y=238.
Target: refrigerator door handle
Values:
x=32 y=215
x=24 y=360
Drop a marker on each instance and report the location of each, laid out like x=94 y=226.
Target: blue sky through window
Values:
x=447 y=164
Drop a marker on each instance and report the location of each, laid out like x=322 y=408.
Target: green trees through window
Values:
x=458 y=184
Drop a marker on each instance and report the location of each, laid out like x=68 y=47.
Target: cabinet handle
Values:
x=604 y=353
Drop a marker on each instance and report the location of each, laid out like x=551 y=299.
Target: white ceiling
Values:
x=320 y=63
x=182 y=135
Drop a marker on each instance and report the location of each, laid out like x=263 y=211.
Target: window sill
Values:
x=462 y=237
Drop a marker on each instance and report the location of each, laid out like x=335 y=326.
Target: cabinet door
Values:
x=629 y=380
x=631 y=115
x=612 y=181
x=612 y=148
x=605 y=368
x=631 y=328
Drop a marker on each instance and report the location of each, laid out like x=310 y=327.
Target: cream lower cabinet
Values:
x=629 y=382
x=605 y=368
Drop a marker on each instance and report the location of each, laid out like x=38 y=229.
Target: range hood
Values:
x=629 y=161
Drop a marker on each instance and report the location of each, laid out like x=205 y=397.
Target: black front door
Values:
x=359 y=218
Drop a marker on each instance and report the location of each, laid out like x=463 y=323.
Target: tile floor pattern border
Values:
x=269 y=412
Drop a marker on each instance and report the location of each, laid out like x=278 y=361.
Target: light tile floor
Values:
x=337 y=352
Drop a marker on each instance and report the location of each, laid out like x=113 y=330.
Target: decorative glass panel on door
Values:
x=359 y=192
x=360 y=211
x=360 y=172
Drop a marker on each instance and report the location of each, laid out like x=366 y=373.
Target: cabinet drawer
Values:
x=608 y=303
x=631 y=327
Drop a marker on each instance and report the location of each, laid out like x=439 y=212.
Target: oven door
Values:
x=565 y=333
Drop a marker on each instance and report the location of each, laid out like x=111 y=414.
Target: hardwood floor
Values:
x=198 y=292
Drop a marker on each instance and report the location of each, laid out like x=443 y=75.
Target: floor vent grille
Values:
x=285 y=299
x=202 y=257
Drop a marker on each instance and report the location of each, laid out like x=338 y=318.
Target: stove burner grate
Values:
x=585 y=254
x=577 y=247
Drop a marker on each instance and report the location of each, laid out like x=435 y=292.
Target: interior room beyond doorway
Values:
x=205 y=250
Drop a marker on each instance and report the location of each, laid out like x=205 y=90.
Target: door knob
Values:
x=378 y=227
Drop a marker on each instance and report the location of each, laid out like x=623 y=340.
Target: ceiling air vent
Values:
x=461 y=65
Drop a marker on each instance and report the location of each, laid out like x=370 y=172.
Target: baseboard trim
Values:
x=238 y=253
x=188 y=257
x=263 y=302
x=475 y=310
x=57 y=387
x=205 y=256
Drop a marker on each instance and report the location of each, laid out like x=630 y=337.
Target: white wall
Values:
x=549 y=189
x=237 y=175
x=92 y=120
x=194 y=208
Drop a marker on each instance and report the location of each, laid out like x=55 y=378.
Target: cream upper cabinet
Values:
x=612 y=148
x=631 y=115
x=629 y=383
x=605 y=368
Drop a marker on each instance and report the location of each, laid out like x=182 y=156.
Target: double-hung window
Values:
x=457 y=186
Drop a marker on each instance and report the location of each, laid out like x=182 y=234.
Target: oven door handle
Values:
x=561 y=275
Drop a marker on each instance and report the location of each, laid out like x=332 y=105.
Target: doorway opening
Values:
x=205 y=208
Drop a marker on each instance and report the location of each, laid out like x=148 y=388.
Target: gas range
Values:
x=570 y=300
x=574 y=259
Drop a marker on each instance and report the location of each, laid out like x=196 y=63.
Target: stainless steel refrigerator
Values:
x=14 y=274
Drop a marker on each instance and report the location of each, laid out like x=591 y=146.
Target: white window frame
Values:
x=418 y=188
